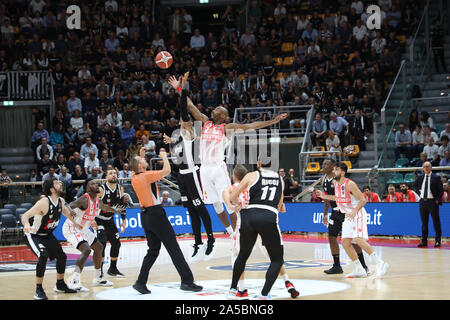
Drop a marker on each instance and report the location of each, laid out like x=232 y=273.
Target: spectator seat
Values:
x=409 y=178
x=26 y=205
x=348 y=163
x=5 y=211
x=351 y=150
x=401 y=162
x=396 y=178
x=287 y=47
x=317 y=148
x=313 y=168
x=288 y=61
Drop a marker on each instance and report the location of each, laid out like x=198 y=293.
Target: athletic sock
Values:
x=357 y=264
x=113 y=264
x=361 y=259
x=229 y=229
x=375 y=257
x=60 y=281
x=241 y=285
x=38 y=285
x=336 y=261
x=285 y=277
x=98 y=273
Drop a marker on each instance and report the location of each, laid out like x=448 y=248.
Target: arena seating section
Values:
x=290 y=53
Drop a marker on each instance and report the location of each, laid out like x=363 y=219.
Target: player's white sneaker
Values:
x=101 y=281
x=231 y=294
x=75 y=283
x=261 y=297
x=381 y=268
x=357 y=273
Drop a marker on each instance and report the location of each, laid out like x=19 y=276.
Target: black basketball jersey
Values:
x=111 y=198
x=266 y=192
x=44 y=225
x=183 y=151
x=328 y=187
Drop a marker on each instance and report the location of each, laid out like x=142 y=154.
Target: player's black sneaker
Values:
x=40 y=294
x=210 y=249
x=291 y=289
x=334 y=270
x=61 y=287
x=190 y=287
x=115 y=273
x=141 y=288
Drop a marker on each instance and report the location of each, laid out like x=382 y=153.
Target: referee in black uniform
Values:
x=429 y=187
x=260 y=217
x=334 y=223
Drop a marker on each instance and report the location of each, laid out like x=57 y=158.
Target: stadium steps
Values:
x=18 y=162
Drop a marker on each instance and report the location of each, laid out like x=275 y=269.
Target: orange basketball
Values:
x=163 y=59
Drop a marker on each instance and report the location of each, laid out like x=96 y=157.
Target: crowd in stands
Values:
x=111 y=98
x=419 y=140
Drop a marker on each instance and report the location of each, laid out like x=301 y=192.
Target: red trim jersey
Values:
x=397 y=197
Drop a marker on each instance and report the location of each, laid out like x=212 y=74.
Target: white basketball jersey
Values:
x=345 y=201
x=86 y=217
x=244 y=197
x=213 y=143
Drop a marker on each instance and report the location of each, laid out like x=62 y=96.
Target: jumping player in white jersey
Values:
x=239 y=173
x=215 y=137
x=188 y=177
x=351 y=201
x=84 y=239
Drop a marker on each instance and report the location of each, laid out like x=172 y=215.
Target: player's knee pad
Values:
x=218 y=207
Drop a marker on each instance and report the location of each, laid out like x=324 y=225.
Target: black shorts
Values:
x=256 y=221
x=40 y=244
x=190 y=188
x=335 y=222
x=107 y=230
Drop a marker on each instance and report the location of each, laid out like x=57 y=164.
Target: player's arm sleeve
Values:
x=183 y=106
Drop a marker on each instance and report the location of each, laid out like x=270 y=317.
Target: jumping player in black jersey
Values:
x=189 y=181
x=45 y=216
x=265 y=190
x=111 y=194
x=334 y=223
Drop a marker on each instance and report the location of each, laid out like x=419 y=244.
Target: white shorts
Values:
x=357 y=228
x=75 y=236
x=214 y=179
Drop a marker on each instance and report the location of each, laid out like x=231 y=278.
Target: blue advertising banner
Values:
x=382 y=219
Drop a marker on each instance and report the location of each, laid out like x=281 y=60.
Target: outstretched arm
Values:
x=255 y=125
x=196 y=114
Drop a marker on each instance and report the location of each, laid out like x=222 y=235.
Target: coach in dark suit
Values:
x=429 y=187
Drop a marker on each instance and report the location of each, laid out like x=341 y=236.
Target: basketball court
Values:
x=413 y=274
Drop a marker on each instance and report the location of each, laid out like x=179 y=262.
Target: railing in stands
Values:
x=25 y=85
x=297 y=112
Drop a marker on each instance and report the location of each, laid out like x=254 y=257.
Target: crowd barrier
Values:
x=394 y=219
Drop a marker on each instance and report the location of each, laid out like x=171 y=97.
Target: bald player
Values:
x=215 y=138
